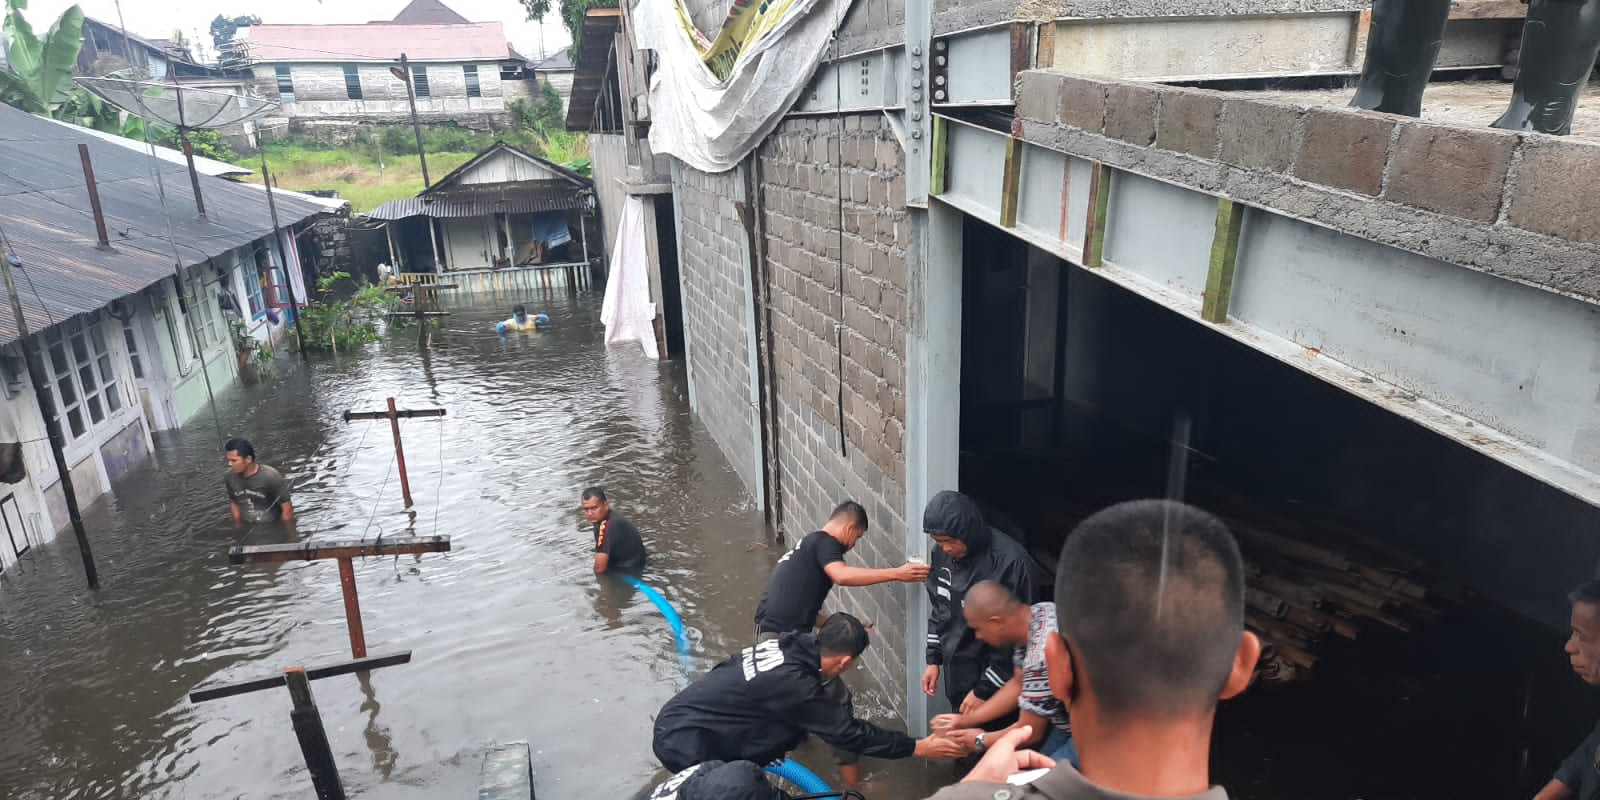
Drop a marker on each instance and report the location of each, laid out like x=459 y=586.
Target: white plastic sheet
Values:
x=627 y=312
x=712 y=125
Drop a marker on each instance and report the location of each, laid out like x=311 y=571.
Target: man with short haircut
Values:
x=256 y=492
x=800 y=583
x=1578 y=777
x=1001 y=620
x=617 y=544
x=762 y=702
x=969 y=552
x=1151 y=602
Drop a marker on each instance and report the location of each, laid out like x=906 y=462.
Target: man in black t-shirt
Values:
x=617 y=544
x=1578 y=777
x=801 y=582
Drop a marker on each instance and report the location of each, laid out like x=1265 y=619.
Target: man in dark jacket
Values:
x=761 y=703
x=969 y=553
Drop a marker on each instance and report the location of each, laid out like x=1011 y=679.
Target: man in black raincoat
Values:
x=719 y=780
x=969 y=553
x=761 y=703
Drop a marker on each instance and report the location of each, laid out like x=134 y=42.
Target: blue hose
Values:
x=667 y=611
x=797 y=774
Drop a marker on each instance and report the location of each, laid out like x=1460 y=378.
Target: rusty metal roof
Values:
x=44 y=213
x=593 y=65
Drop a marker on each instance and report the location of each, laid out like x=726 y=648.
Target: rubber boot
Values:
x=1559 y=43
x=1402 y=46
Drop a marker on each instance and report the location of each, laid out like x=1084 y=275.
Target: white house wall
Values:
x=320 y=92
x=506 y=167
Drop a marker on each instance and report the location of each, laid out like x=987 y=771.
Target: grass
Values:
x=354 y=174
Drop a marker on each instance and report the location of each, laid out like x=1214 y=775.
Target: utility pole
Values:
x=404 y=74
x=52 y=426
x=277 y=237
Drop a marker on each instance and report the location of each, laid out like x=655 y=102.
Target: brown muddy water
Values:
x=512 y=636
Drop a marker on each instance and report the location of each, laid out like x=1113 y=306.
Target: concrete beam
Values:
x=507 y=773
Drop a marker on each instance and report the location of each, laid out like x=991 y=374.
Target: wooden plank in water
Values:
x=507 y=773
x=424 y=287
x=346 y=548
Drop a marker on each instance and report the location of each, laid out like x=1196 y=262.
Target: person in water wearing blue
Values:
x=521 y=320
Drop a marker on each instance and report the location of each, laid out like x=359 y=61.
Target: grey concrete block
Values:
x=1131 y=113
x=1188 y=121
x=1345 y=149
x=507 y=773
x=1038 y=96
x=1083 y=103
x=1455 y=171
x=1258 y=135
x=1553 y=189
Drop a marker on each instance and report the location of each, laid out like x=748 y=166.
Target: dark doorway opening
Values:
x=671 y=291
x=1396 y=573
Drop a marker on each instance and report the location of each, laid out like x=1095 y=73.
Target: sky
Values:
x=156 y=19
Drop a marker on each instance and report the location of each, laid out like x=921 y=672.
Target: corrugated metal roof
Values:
x=559 y=61
x=202 y=165
x=476 y=41
x=44 y=211
x=429 y=12
x=456 y=205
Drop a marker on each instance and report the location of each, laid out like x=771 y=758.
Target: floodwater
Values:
x=512 y=637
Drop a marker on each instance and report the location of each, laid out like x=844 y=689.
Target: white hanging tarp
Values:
x=712 y=102
x=627 y=312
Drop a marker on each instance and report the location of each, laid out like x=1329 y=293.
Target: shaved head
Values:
x=989 y=599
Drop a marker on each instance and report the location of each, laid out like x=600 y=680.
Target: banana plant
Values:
x=40 y=76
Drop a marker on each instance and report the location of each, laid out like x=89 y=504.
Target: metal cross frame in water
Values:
x=304 y=715
x=394 y=416
x=344 y=552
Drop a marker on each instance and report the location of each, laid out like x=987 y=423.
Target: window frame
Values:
x=419 y=81
x=86 y=351
x=285 y=82
x=474 y=87
x=352 y=81
x=510 y=71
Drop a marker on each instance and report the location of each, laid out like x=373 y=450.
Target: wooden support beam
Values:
x=939 y=154
x=1094 y=235
x=1045 y=49
x=404 y=413
x=1488 y=9
x=346 y=548
x=312 y=673
x=1224 y=255
x=1011 y=183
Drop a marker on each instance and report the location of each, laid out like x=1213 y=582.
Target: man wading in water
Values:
x=617 y=544
x=256 y=492
x=801 y=582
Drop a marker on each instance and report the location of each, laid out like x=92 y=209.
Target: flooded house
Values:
x=505 y=218
x=128 y=345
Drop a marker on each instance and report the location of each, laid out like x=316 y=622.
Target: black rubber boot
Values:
x=1401 y=47
x=1559 y=43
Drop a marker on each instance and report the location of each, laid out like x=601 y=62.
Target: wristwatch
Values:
x=979 y=742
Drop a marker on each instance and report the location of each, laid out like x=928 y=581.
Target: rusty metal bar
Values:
x=352 y=608
x=312 y=673
x=94 y=198
x=349 y=548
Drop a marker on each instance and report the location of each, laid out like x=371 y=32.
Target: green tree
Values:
x=223 y=28
x=572 y=12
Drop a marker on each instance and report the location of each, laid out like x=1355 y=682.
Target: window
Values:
x=471 y=71
x=132 y=342
x=419 y=81
x=265 y=285
x=352 y=82
x=82 y=377
x=198 y=303
x=511 y=72
x=285 y=83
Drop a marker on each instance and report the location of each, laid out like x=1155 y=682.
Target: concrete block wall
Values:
x=711 y=246
x=1503 y=203
x=831 y=192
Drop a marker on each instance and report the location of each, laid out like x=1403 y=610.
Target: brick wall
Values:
x=830 y=195
x=715 y=283
x=1482 y=198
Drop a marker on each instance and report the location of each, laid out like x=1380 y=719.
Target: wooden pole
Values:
x=352 y=607
x=416 y=124
x=313 y=737
x=278 y=239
